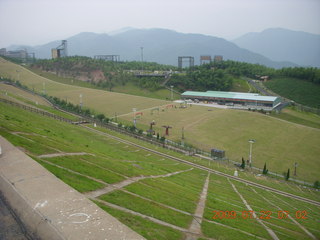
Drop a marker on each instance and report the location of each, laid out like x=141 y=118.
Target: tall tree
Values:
x=288 y=174
x=265 y=170
x=243 y=164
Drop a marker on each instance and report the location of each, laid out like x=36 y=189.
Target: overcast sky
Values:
x=35 y=22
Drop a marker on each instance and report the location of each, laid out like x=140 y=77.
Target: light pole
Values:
x=171 y=92
x=295 y=168
x=80 y=96
x=251 y=141
x=134 y=117
x=141 y=54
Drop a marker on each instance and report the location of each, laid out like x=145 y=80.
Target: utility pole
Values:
x=182 y=136
x=80 y=96
x=134 y=117
x=295 y=168
x=141 y=54
x=171 y=92
x=141 y=58
x=251 y=141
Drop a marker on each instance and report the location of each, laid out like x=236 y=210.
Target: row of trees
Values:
x=89 y=64
x=202 y=79
x=308 y=74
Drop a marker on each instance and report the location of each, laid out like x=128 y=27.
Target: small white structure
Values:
x=95 y=125
x=236 y=173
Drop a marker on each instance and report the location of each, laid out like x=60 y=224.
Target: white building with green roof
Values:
x=234 y=99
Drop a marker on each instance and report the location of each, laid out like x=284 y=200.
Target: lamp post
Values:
x=251 y=141
x=295 y=168
x=80 y=101
x=134 y=117
x=171 y=92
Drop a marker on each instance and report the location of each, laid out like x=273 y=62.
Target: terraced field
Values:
x=156 y=196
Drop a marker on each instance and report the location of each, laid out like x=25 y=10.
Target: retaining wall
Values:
x=48 y=207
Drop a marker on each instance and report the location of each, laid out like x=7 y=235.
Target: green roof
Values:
x=230 y=95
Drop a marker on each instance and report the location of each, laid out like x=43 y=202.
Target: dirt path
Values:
x=146 y=109
x=119 y=185
x=195 y=226
x=269 y=230
x=62 y=154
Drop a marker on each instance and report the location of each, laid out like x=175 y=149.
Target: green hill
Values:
x=300 y=91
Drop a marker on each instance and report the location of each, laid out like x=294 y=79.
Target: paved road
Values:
x=10 y=229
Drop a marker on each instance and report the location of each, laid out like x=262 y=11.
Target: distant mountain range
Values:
x=159 y=45
x=280 y=44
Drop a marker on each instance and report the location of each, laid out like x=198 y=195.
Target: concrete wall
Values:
x=49 y=208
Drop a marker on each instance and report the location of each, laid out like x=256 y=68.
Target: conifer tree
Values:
x=265 y=170
x=288 y=174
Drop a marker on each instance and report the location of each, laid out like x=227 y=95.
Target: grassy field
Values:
x=112 y=161
x=278 y=143
x=303 y=92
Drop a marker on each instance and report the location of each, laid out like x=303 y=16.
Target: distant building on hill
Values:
x=236 y=100
x=218 y=58
x=22 y=54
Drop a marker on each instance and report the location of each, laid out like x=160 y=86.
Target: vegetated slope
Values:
x=108 y=103
x=284 y=45
x=160 y=45
x=303 y=92
x=172 y=199
x=107 y=75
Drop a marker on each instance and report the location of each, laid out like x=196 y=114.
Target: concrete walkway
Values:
x=49 y=208
x=195 y=226
x=269 y=230
x=291 y=218
x=62 y=154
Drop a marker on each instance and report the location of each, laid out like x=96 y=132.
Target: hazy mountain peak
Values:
x=281 y=44
x=121 y=30
x=159 y=45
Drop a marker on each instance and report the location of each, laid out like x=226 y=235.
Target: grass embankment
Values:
x=112 y=161
x=108 y=103
x=303 y=92
x=128 y=88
